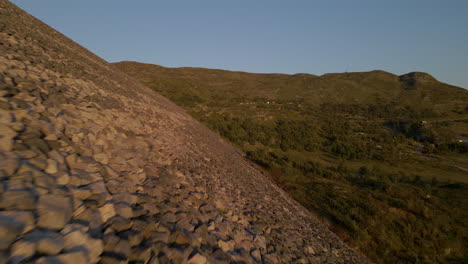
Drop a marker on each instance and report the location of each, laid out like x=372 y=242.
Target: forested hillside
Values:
x=382 y=158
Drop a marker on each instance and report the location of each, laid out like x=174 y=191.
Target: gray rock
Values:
x=273 y=258
x=72 y=161
x=54 y=144
x=255 y=253
x=225 y=227
x=75 y=237
x=220 y=256
x=195 y=240
x=27 y=154
x=145 y=198
x=138 y=212
x=51 y=244
x=54 y=211
x=10 y=230
x=184 y=223
x=140 y=255
x=241 y=235
x=260 y=242
x=175 y=255
x=151 y=208
x=91 y=216
x=161 y=237
x=118 y=167
x=16 y=199
x=6 y=138
x=107 y=211
x=83 y=163
x=115 y=186
x=123 y=210
x=112 y=260
x=21 y=250
x=52 y=166
x=125 y=197
x=37 y=143
x=146 y=228
x=17 y=183
x=4 y=106
x=108 y=173
x=19 y=146
x=310 y=250
x=62 y=178
x=227 y=246
x=41 y=178
x=45 y=242
x=26 y=219
x=168 y=217
x=9 y=163
x=78 y=257
x=138 y=177
x=101 y=157
x=110 y=241
x=97 y=200
x=57 y=156
x=197 y=259
x=5 y=117
x=44 y=180
x=181 y=238
x=134 y=237
x=95 y=248
x=98 y=187
x=81 y=193
x=70 y=228
x=122 y=248
x=119 y=223
x=39 y=163
x=81 y=178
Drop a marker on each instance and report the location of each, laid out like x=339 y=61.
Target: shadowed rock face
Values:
x=417 y=76
x=95 y=167
x=412 y=79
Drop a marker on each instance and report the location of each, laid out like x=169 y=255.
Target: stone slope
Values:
x=95 y=167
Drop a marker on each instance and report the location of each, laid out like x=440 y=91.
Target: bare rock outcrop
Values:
x=97 y=168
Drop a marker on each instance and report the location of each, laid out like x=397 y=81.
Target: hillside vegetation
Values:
x=382 y=158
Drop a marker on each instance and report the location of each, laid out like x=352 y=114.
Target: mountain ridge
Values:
x=412 y=74
x=374 y=87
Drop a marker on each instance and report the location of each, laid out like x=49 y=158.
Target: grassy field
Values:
x=374 y=154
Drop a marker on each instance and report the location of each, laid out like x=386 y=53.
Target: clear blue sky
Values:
x=285 y=36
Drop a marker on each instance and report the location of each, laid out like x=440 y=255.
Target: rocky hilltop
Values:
x=95 y=167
